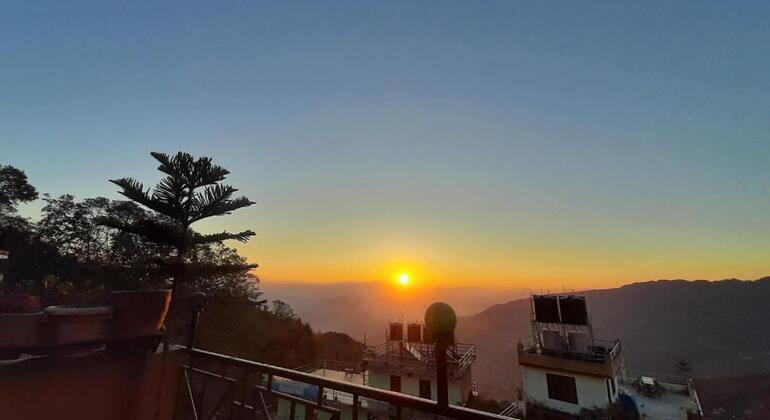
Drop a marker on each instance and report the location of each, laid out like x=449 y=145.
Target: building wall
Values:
x=378 y=379
x=411 y=385
x=97 y=387
x=591 y=390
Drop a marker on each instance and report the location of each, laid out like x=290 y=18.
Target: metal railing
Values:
x=694 y=396
x=331 y=365
x=459 y=355
x=633 y=374
x=216 y=386
x=600 y=351
x=513 y=410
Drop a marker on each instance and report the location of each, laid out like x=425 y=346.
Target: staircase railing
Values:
x=513 y=410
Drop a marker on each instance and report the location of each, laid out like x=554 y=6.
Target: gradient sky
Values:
x=522 y=144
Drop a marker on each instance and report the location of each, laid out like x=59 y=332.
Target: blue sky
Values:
x=587 y=144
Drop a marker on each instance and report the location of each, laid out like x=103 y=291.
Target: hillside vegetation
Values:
x=239 y=328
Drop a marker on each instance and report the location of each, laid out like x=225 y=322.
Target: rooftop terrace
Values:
x=460 y=356
x=676 y=398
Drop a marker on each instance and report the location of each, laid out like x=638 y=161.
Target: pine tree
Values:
x=191 y=191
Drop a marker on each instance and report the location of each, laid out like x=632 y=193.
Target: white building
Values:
x=567 y=372
x=564 y=368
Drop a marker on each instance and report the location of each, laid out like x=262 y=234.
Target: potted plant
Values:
x=20 y=320
x=70 y=324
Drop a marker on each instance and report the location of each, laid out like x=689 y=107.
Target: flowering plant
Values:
x=19 y=303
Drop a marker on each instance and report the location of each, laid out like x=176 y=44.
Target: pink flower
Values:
x=19 y=303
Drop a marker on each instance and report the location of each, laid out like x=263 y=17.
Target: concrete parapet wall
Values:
x=92 y=387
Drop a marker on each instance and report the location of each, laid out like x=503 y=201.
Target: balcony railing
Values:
x=459 y=355
x=323 y=364
x=600 y=351
x=215 y=386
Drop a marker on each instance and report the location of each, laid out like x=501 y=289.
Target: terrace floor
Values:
x=670 y=406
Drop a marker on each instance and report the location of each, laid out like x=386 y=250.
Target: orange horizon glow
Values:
x=445 y=257
x=495 y=275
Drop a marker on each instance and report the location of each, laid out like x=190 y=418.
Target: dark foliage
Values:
x=191 y=191
x=743 y=397
x=14 y=189
x=74 y=254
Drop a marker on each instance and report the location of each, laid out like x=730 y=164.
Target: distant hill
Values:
x=364 y=308
x=719 y=327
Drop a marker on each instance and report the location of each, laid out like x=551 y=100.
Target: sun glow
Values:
x=403 y=279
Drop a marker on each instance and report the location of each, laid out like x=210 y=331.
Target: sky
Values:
x=478 y=143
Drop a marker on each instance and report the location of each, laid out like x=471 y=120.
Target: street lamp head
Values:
x=440 y=319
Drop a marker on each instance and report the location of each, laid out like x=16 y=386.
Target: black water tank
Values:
x=413 y=333
x=396 y=331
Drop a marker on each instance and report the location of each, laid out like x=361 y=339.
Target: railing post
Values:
x=442 y=386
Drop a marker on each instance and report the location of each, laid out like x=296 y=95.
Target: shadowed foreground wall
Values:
x=95 y=387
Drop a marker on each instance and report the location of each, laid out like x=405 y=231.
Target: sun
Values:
x=403 y=279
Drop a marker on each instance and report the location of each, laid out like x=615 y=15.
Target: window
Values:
x=561 y=388
x=425 y=389
x=395 y=383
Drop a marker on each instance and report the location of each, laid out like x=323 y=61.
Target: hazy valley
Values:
x=359 y=308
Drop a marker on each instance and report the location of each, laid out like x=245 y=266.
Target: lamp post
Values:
x=441 y=320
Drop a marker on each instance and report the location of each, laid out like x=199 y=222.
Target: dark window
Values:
x=425 y=389
x=395 y=383
x=561 y=388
